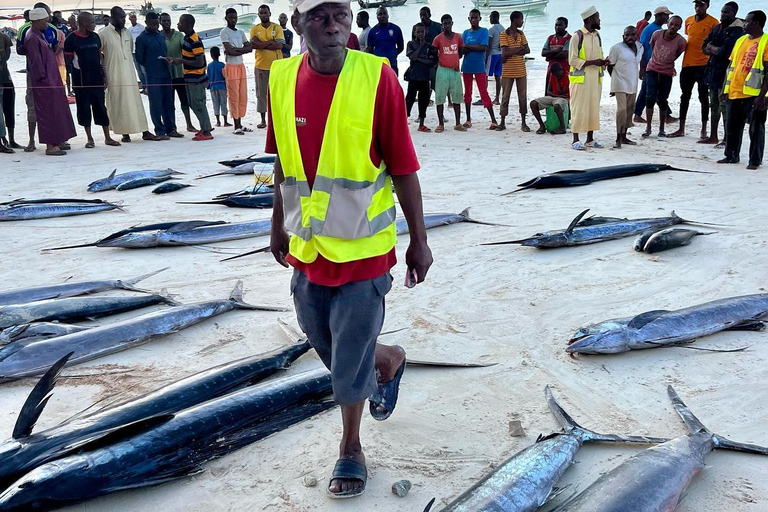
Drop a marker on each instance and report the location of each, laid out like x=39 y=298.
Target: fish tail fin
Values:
x=429 y=505
x=168 y=298
x=38 y=398
x=237 y=298
x=128 y=284
x=695 y=426
x=571 y=427
x=257 y=251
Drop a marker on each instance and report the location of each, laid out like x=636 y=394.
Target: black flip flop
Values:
x=348 y=469
x=386 y=396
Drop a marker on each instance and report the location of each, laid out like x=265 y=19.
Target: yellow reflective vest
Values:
x=754 y=80
x=349 y=213
x=576 y=76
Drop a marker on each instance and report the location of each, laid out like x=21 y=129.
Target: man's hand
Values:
x=419 y=258
x=723 y=98
x=642 y=74
x=278 y=244
x=760 y=102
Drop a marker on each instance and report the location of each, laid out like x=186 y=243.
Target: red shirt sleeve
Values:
x=391 y=136
x=353 y=43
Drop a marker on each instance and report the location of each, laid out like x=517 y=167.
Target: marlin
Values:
x=656 y=479
x=114 y=180
x=21 y=209
x=143 y=182
x=172 y=446
x=172 y=234
x=23 y=359
x=579 y=177
x=264 y=159
x=25 y=450
x=240 y=201
x=431 y=220
x=527 y=480
x=59 y=291
x=658 y=328
x=255 y=168
x=75 y=308
x=258 y=188
x=594 y=233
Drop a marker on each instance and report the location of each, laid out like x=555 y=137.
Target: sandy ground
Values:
x=510 y=305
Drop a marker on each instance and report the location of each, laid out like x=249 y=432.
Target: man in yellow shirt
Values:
x=267 y=40
x=746 y=88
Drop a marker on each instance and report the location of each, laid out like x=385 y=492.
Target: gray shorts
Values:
x=262 y=88
x=342 y=324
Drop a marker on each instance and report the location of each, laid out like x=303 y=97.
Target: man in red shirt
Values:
x=643 y=23
x=558 y=93
x=340 y=306
x=556 y=48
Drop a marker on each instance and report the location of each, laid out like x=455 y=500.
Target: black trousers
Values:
x=180 y=88
x=9 y=105
x=741 y=111
x=161 y=108
x=91 y=99
x=420 y=87
x=657 y=89
x=690 y=76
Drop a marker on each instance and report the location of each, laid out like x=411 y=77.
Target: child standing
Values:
x=218 y=86
x=448 y=78
x=417 y=75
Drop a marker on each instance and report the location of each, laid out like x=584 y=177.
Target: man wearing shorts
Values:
x=557 y=98
x=448 y=77
x=494 y=65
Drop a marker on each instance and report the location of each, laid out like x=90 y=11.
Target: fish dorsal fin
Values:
x=576 y=220
x=38 y=398
x=192 y=224
x=114 y=171
x=646 y=318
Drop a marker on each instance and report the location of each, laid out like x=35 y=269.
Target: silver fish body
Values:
x=669 y=239
x=143 y=182
x=656 y=328
x=31 y=211
x=114 y=180
x=188 y=234
x=37 y=331
x=598 y=233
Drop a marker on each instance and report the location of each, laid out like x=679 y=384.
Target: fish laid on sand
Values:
x=37 y=331
x=666 y=239
x=658 y=328
x=431 y=220
x=31 y=359
x=73 y=309
x=173 y=234
x=114 y=180
x=22 y=209
x=579 y=177
x=240 y=201
x=592 y=233
x=264 y=159
x=255 y=168
x=258 y=188
x=26 y=450
x=171 y=446
x=59 y=291
x=143 y=182
x=526 y=480
x=656 y=479
x=166 y=188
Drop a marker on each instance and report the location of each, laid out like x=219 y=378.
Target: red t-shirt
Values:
x=558 y=85
x=391 y=143
x=448 y=50
x=353 y=43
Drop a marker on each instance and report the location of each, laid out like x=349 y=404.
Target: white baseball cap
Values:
x=307 y=5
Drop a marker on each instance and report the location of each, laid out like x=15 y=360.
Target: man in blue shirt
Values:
x=475 y=46
x=660 y=18
x=386 y=39
x=151 y=53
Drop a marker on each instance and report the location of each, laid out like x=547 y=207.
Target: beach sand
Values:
x=509 y=305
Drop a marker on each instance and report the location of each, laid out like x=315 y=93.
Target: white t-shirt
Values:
x=626 y=68
x=135 y=32
x=363 y=39
x=237 y=39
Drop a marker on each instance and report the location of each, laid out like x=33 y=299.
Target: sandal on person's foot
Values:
x=525 y=128
x=348 y=469
x=645 y=135
x=467 y=124
x=594 y=144
x=662 y=134
x=261 y=126
x=440 y=129
x=111 y=142
x=424 y=129
x=245 y=130
x=239 y=131
x=578 y=146
x=55 y=152
x=126 y=138
x=460 y=128
x=541 y=131
x=30 y=148
x=501 y=128
x=65 y=146
x=90 y=144
x=493 y=127
x=386 y=396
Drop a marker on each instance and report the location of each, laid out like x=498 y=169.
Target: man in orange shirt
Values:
x=694 y=71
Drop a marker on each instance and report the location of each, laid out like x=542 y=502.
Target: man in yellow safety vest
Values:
x=745 y=89
x=338 y=126
x=585 y=56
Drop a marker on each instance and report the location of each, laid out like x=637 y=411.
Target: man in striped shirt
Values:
x=193 y=59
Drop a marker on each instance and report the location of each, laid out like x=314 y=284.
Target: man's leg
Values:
x=756 y=138
x=9 y=111
x=455 y=93
x=31 y=117
x=196 y=95
x=651 y=92
x=701 y=83
x=621 y=121
x=506 y=86
x=714 y=113
x=628 y=113
x=410 y=97
x=83 y=111
x=665 y=88
x=169 y=110
x=640 y=104
x=535 y=110
x=262 y=85
x=687 y=81
x=181 y=91
x=736 y=119
x=482 y=85
x=423 y=99
x=522 y=100
x=467 y=78
x=100 y=115
x=156 y=109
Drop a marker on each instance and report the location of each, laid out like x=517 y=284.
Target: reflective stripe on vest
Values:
x=754 y=79
x=576 y=76
x=349 y=212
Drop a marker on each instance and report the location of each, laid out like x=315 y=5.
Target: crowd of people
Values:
x=725 y=59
